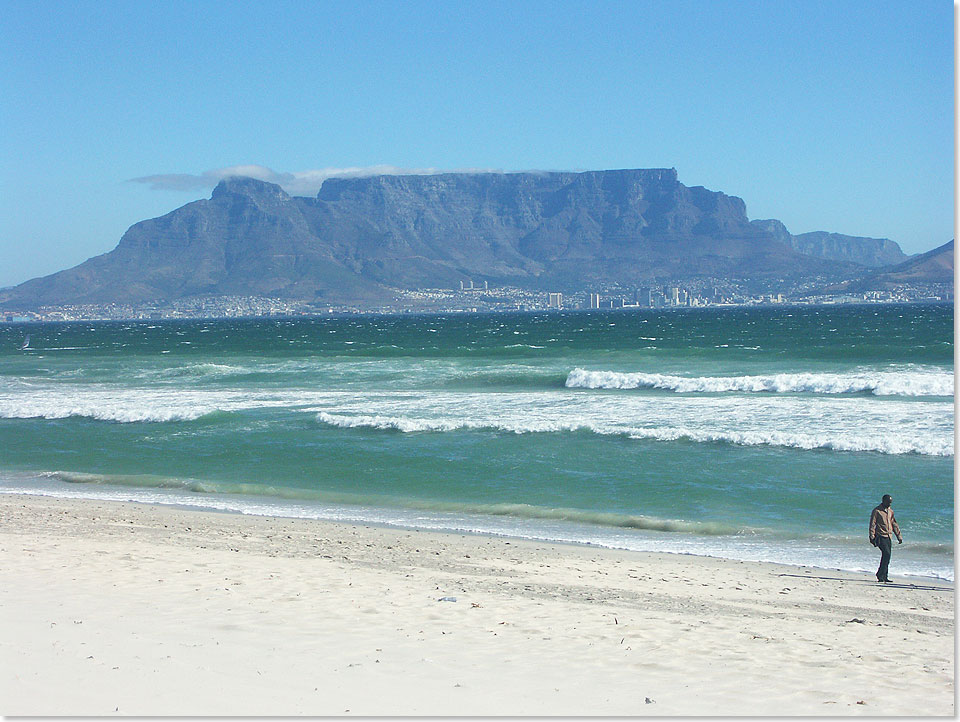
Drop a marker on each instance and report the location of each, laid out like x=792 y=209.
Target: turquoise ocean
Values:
x=746 y=433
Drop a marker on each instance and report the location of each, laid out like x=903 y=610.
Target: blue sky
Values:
x=832 y=116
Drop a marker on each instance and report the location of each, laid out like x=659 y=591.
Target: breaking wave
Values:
x=408 y=425
x=878 y=383
x=130 y=406
x=201 y=370
x=881 y=443
x=122 y=413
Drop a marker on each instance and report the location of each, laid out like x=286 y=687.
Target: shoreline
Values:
x=726 y=546
x=128 y=608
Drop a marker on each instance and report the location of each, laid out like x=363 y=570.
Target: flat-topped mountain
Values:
x=360 y=237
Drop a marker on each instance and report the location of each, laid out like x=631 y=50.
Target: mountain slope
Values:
x=870 y=252
x=925 y=269
x=934 y=266
x=361 y=236
x=873 y=252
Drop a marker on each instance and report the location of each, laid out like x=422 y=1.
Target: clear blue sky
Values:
x=829 y=115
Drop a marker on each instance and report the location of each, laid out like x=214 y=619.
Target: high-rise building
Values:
x=645 y=297
x=555 y=300
x=594 y=300
x=675 y=296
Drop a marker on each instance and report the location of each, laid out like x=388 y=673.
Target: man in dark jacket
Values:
x=883 y=526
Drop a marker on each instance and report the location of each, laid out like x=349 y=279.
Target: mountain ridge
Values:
x=933 y=267
x=361 y=237
x=870 y=252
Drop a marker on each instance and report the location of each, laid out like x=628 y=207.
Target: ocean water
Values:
x=748 y=433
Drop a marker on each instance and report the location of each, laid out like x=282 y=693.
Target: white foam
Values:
x=879 y=383
x=128 y=405
x=882 y=443
x=839 y=422
x=385 y=422
x=122 y=415
x=866 y=442
x=408 y=425
x=201 y=369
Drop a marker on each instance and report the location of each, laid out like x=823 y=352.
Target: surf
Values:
x=877 y=383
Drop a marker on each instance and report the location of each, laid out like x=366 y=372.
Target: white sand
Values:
x=117 y=608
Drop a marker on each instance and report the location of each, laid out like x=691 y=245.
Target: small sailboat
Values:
x=26 y=343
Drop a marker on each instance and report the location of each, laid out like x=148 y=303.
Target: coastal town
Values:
x=479 y=297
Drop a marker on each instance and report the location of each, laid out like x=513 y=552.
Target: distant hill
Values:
x=873 y=252
x=870 y=252
x=361 y=237
x=932 y=267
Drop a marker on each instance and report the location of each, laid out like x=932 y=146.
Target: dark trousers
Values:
x=884 y=544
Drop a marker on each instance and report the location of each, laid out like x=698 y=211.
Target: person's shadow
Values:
x=892 y=585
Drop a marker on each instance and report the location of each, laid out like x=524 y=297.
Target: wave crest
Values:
x=408 y=425
x=202 y=370
x=880 y=383
x=881 y=443
x=119 y=414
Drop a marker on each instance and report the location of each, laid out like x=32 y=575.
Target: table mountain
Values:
x=362 y=236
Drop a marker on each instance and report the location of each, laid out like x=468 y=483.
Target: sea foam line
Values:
x=120 y=414
x=131 y=405
x=879 y=383
x=881 y=443
x=410 y=425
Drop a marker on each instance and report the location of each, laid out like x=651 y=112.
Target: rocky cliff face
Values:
x=870 y=252
x=361 y=236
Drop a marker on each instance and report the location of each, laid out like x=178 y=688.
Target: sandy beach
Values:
x=113 y=608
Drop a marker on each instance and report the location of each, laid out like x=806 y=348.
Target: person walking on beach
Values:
x=883 y=526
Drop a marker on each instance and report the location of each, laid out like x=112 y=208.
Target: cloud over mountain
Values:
x=297 y=183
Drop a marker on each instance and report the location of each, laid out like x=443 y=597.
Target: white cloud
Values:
x=298 y=183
